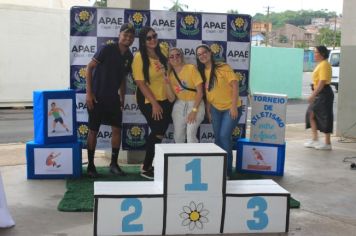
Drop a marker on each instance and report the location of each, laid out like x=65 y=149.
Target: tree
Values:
x=177 y=6
x=232 y=11
x=101 y=3
x=327 y=37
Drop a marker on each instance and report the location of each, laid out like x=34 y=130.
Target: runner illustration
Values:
x=56 y=113
x=50 y=160
x=258 y=157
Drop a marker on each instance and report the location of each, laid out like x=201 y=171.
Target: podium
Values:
x=190 y=195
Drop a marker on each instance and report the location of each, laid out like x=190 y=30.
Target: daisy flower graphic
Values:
x=194 y=216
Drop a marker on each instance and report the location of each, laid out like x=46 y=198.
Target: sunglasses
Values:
x=176 y=56
x=149 y=38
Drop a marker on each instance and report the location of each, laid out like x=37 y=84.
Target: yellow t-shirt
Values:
x=190 y=78
x=322 y=71
x=220 y=96
x=155 y=73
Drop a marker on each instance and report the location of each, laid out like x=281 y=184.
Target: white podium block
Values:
x=193 y=169
x=256 y=206
x=128 y=208
x=197 y=214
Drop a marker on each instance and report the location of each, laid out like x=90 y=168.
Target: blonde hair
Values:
x=170 y=68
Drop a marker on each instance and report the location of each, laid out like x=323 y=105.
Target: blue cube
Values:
x=54 y=114
x=260 y=158
x=53 y=161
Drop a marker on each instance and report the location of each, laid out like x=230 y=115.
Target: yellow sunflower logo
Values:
x=84 y=15
x=82 y=72
x=189 y=20
x=83 y=130
x=215 y=48
x=164 y=47
x=135 y=131
x=110 y=41
x=137 y=17
x=239 y=22
x=194 y=216
x=239 y=76
x=236 y=132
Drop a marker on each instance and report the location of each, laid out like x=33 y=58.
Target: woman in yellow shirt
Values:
x=149 y=68
x=188 y=110
x=320 y=115
x=223 y=103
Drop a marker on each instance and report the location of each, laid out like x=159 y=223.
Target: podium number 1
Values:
x=196 y=185
x=260 y=214
x=126 y=221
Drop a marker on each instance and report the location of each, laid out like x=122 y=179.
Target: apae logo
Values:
x=138 y=20
x=239 y=27
x=163 y=23
x=80 y=78
x=189 y=25
x=135 y=136
x=218 y=52
x=213 y=27
x=83 y=134
x=84 y=21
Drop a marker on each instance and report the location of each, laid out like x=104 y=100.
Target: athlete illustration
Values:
x=56 y=113
x=50 y=160
x=258 y=156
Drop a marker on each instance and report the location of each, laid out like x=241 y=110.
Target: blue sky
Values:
x=251 y=7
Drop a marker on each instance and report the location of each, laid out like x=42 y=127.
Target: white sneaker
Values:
x=311 y=143
x=323 y=146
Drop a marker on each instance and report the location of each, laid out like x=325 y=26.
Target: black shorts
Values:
x=99 y=116
x=60 y=120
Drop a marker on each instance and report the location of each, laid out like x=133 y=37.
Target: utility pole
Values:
x=334 y=44
x=267 y=31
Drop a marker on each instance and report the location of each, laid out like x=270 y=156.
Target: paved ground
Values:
x=320 y=180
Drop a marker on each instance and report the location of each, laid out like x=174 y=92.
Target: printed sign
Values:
x=268 y=118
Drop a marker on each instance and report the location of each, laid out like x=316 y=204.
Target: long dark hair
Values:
x=143 y=50
x=201 y=67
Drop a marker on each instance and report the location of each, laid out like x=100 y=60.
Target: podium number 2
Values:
x=196 y=185
x=260 y=214
x=126 y=221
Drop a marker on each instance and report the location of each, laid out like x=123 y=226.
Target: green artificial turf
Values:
x=79 y=196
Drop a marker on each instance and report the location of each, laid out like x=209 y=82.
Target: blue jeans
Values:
x=223 y=126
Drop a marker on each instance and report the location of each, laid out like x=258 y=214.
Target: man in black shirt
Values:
x=105 y=77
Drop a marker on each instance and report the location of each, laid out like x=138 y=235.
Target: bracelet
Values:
x=194 y=109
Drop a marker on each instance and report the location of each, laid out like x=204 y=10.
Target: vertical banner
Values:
x=268 y=118
x=228 y=35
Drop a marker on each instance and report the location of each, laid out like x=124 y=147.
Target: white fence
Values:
x=34 y=52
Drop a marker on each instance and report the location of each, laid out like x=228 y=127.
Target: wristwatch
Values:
x=194 y=109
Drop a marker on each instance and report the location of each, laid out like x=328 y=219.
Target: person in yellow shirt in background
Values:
x=319 y=114
x=223 y=102
x=188 y=110
x=149 y=69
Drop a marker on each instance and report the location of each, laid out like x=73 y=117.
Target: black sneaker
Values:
x=148 y=174
x=116 y=170
x=91 y=171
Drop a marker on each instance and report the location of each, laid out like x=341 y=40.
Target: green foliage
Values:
x=233 y=11
x=177 y=6
x=282 y=39
x=297 y=18
x=327 y=37
x=101 y=3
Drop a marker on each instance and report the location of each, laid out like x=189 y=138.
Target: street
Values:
x=16 y=125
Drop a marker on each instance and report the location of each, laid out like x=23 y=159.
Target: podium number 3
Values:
x=126 y=221
x=260 y=214
x=196 y=185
